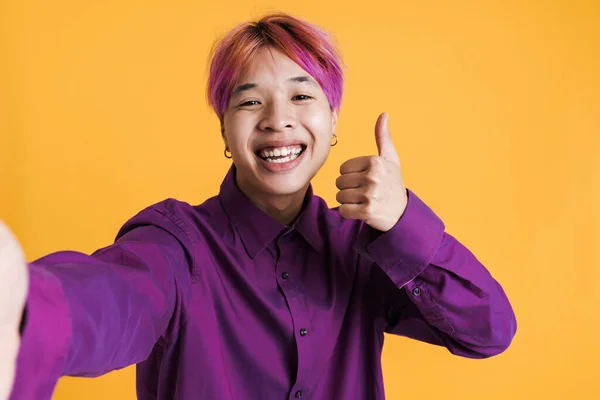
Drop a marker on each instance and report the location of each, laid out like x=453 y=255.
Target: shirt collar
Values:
x=256 y=228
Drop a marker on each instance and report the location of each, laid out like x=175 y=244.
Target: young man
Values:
x=261 y=292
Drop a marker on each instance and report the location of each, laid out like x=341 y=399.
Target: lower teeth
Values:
x=282 y=160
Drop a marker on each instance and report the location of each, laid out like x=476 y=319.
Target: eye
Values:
x=302 y=97
x=249 y=103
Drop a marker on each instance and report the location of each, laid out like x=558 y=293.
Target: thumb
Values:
x=385 y=145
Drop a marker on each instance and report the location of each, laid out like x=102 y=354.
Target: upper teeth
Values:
x=281 y=151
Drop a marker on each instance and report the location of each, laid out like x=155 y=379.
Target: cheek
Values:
x=236 y=132
x=319 y=124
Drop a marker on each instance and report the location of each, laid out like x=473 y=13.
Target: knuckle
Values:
x=368 y=210
x=371 y=194
x=372 y=178
x=372 y=162
x=375 y=162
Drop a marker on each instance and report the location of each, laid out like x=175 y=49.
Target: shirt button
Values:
x=416 y=291
x=299 y=394
x=285 y=275
x=303 y=332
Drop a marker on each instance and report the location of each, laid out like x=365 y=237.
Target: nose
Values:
x=277 y=118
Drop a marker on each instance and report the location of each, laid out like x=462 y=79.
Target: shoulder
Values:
x=176 y=217
x=180 y=220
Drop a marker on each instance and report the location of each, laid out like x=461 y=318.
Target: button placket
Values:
x=287 y=265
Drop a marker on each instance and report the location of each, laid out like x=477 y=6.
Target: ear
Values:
x=223 y=134
x=334 y=118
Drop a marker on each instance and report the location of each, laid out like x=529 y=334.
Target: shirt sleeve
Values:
x=87 y=315
x=429 y=287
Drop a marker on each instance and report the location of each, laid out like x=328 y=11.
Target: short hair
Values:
x=305 y=44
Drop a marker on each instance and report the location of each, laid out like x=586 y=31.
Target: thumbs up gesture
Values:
x=371 y=187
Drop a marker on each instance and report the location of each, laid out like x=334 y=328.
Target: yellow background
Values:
x=494 y=109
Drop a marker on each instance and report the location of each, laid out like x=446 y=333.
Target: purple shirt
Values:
x=221 y=301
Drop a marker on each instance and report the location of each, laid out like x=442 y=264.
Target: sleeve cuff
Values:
x=45 y=337
x=406 y=250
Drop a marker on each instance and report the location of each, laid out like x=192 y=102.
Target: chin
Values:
x=283 y=187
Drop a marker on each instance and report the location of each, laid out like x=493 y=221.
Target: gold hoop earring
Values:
x=336 y=140
x=225 y=153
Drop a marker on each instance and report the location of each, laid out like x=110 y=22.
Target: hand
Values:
x=371 y=187
x=13 y=290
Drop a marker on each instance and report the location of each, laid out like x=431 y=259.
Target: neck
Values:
x=283 y=208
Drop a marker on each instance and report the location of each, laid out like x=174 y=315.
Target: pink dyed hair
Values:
x=308 y=46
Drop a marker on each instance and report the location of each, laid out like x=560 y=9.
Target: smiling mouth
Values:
x=279 y=155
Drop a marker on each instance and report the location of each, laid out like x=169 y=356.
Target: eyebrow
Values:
x=296 y=79
x=303 y=79
x=243 y=88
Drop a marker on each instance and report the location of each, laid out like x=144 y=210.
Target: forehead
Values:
x=270 y=64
